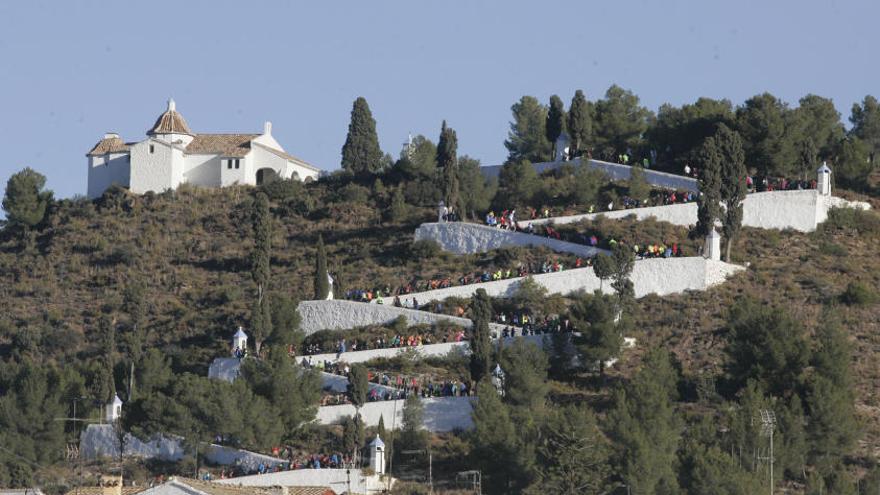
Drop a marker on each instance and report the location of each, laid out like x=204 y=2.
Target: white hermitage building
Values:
x=173 y=155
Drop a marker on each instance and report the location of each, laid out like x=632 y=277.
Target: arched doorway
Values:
x=265 y=176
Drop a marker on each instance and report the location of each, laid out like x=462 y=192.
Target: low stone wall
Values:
x=337 y=479
x=441 y=413
x=342 y=315
x=615 y=171
x=799 y=210
x=467 y=238
x=99 y=440
x=659 y=276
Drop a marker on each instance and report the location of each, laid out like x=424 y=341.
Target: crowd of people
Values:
x=381 y=342
x=295 y=461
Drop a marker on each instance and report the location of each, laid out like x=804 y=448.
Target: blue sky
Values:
x=72 y=70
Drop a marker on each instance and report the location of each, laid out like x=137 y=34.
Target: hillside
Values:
x=190 y=249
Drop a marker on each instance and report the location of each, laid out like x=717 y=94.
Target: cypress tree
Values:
x=261 y=317
x=708 y=160
x=580 y=123
x=447 y=162
x=133 y=304
x=358 y=385
x=481 y=345
x=638 y=189
x=732 y=187
x=322 y=283
x=361 y=154
x=412 y=435
x=555 y=122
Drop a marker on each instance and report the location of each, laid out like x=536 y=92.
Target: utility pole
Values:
x=768 y=424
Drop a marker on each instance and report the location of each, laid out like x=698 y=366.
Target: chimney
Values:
x=111 y=485
x=267 y=128
x=111 y=135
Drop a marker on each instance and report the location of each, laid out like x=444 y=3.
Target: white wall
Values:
x=338 y=314
x=467 y=238
x=441 y=413
x=615 y=171
x=261 y=158
x=106 y=170
x=798 y=210
x=202 y=170
x=154 y=171
x=659 y=276
x=336 y=479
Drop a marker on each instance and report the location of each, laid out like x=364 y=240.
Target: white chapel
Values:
x=172 y=155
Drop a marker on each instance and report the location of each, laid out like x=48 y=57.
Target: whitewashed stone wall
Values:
x=336 y=479
x=659 y=276
x=467 y=238
x=441 y=413
x=799 y=210
x=339 y=314
x=99 y=440
x=615 y=171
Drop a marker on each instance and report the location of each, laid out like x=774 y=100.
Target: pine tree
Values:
x=556 y=122
x=573 y=455
x=833 y=427
x=447 y=162
x=480 y=343
x=601 y=339
x=580 y=123
x=261 y=317
x=732 y=188
x=708 y=161
x=353 y=436
x=527 y=138
x=361 y=154
x=646 y=428
x=322 y=283
x=517 y=184
x=493 y=439
x=25 y=202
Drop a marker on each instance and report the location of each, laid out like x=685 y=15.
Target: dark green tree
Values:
x=25 y=201
x=679 y=131
x=638 y=189
x=527 y=138
x=261 y=261
x=493 y=439
x=604 y=268
x=761 y=121
x=580 y=123
x=358 y=385
x=587 y=184
x=573 y=455
x=732 y=188
x=285 y=320
x=765 y=344
x=353 y=436
x=645 y=427
x=399 y=208
x=556 y=122
x=476 y=190
x=517 y=185
x=833 y=427
x=481 y=344
x=624 y=260
x=413 y=436
x=447 y=162
x=865 y=119
x=601 y=338
x=361 y=154
x=620 y=120
x=708 y=160
x=322 y=282
x=808 y=153
x=135 y=306
x=853 y=163
x=816 y=120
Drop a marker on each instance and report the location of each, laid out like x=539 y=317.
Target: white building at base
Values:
x=173 y=155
